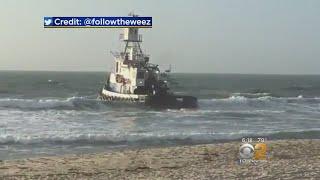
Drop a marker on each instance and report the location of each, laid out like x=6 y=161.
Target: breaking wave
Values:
x=40 y=104
x=83 y=103
x=296 y=104
x=266 y=98
x=151 y=138
x=105 y=139
x=258 y=94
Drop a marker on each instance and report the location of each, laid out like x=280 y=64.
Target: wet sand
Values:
x=288 y=159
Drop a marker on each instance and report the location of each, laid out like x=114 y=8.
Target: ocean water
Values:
x=53 y=113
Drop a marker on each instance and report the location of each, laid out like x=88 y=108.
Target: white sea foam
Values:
x=98 y=138
x=251 y=94
x=243 y=98
x=84 y=102
x=67 y=103
x=237 y=98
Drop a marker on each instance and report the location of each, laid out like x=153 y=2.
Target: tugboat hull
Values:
x=113 y=96
x=156 y=101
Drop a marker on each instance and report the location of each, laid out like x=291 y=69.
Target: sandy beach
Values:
x=288 y=159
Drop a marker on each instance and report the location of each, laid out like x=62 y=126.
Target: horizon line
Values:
x=98 y=71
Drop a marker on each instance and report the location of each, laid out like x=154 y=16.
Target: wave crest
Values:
x=244 y=99
x=38 y=104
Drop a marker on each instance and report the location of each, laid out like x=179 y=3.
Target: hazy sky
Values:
x=211 y=36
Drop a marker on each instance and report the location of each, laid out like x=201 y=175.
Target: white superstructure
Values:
x=132 y=73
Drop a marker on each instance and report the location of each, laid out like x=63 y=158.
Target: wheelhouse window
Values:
x=117 y=67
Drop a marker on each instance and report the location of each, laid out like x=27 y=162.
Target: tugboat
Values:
x=135 y=79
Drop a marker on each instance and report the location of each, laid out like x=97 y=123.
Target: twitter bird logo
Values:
x=47 y=21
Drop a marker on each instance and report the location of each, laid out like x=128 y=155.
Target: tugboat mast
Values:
x=132 y=40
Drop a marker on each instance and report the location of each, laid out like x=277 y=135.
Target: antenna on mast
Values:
x=132 y=14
